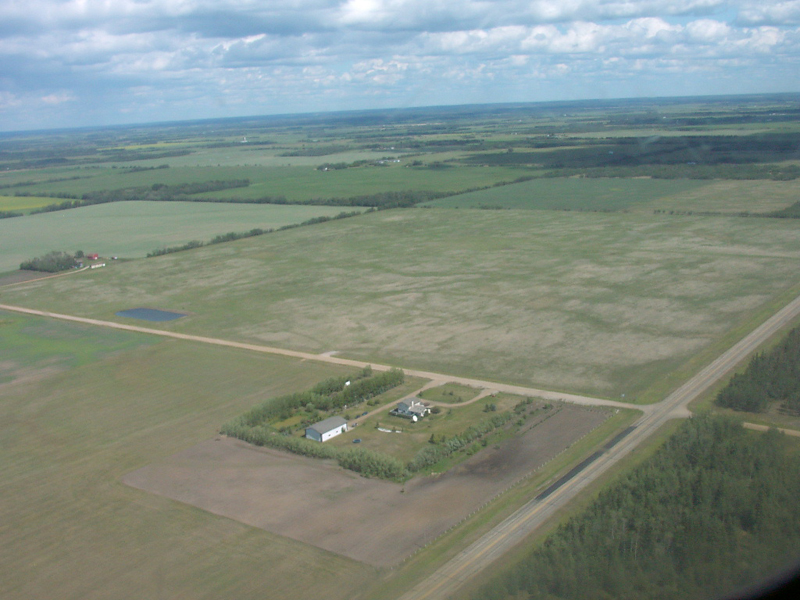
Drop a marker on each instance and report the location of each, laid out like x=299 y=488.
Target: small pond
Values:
x=150 y=314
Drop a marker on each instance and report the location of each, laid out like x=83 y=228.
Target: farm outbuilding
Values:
x=325 y=430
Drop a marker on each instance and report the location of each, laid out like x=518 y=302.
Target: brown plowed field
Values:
x=368 y=520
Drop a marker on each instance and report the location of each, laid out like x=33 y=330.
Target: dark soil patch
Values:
x=371 y=521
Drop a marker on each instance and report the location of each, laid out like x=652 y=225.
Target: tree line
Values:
x=233 y=235
x=770 y=377
x=443 y=447
x=713 y=511
x=158 y=192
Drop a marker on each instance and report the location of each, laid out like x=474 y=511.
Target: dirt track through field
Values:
x=329 y=357
x=369 y=520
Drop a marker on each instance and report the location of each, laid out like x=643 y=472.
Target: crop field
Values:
x=81 y=408
x=23 y=203
x=132 y=229
x=606 y=304
x=572 y=194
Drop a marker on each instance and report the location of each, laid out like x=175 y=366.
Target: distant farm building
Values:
x=92 y=256
x=411 y=409
x=325 y=430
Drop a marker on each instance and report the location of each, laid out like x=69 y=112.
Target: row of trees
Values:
x=360 y=460
x=329 y=395
x=441 y=448
x=158 y=192
x=713 y=511
x=772 y=376
x=233 y=235
x=52 y=262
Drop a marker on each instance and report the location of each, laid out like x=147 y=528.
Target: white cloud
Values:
x=59 y=98
x=260 y=54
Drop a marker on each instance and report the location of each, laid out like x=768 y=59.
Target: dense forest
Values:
x=770 y=377
x=715 y=510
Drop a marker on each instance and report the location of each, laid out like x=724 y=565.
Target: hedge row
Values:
x=430 y=455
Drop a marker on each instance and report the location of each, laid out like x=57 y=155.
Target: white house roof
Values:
x=328 y=424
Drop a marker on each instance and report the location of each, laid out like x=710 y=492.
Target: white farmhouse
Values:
x=411 y=409
x=325 y=430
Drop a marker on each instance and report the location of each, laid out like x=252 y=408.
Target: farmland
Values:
x=132 y=229
x=632 y=242
x=606 y=304
x=82 y=407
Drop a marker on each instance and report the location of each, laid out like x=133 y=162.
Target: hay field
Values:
x=572 y=194
x=604 y=304
x=73 y=424
x=132 y=229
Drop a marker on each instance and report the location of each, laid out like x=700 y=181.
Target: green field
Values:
x=132 y=229
x=607 y=304
x=572 y=194
x=72 y=530
x=298 y=183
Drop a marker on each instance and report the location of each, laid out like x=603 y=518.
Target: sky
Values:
x=74 y=63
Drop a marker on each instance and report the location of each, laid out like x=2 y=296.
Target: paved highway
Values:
x=450 y=577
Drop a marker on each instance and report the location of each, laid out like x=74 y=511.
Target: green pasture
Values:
x=573 y=194
x=297 y=183
x=67 y=437
x=305 y=183
x=132 y=229
x=604 y=304
x=732 y=197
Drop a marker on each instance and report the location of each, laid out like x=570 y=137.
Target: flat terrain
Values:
x=371 y=521
x=132 y=229
x=573 y=194
x=600 y=304
x=81 y=407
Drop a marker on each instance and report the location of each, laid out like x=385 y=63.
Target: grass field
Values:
x=572 y=194
x=132 y=229
x=81 y=408
x=606 y=304
x=297 y=183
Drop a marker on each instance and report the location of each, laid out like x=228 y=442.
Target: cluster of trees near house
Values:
x=331 y=395
x=52 y=262
x=771 y=377
x=713 y=511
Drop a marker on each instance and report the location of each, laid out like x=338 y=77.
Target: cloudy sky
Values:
x=70 y=63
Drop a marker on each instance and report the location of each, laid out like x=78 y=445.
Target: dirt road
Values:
x=330 y=357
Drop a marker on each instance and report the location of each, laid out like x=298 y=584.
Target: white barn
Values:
x=325 y=430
